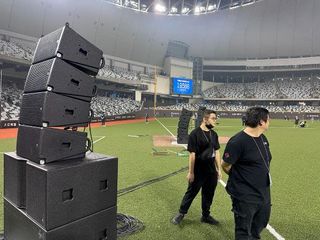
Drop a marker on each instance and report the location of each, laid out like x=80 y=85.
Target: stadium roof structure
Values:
x=182 y=7
x=265 y=29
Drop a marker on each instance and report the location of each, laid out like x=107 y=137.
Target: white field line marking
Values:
x=269 y=227
x=274 y=232
x=172 y=151
x=134 y=136
x=98 y=139
x=222 y=183
x=166 y=128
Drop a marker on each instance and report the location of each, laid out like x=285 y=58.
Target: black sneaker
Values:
x=177 y=219
x=209 y=220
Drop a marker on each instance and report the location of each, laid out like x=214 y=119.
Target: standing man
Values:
x=243 y=120
x=246 y=160
x=296 y=121
x=204 y=168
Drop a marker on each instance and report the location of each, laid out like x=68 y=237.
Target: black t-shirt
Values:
x=249 y=175
x=200 y=142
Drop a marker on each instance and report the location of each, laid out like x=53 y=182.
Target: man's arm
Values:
x=226 y=167
x=218 y=163
x=192 y=159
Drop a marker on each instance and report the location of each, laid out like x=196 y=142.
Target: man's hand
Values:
x=219 y=174
x=226 y=167
x=190 y=177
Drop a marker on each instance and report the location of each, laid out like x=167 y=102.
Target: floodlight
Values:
x=197 y=9
x=143 y=7
x=126 y=3
x=174 y=10
x=160 y=8
x=185 y=10
x=133 y=3
x=212 y=7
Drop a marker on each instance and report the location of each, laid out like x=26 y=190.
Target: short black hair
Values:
x=254 y=115
x=207 y=113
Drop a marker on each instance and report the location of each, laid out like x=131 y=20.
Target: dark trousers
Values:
x=250 y=219
x=208 y=183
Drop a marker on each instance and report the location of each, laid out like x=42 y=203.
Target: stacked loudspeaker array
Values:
x=183 y=126
x=53 y=188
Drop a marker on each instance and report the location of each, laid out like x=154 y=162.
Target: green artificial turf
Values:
x=295 y=171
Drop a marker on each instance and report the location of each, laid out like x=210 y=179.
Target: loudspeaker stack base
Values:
x=53 y=188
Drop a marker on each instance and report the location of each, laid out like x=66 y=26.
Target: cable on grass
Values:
x=127 y=225
x=124 y=191
x=91 y=138
x=89 y=144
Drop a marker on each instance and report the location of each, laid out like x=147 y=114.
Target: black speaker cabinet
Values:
x=98 y=226
x=183 y=139
x=185 y=113
x=15 y=179
x=62 y=192
x=183 y=126
x=44 y=145
x=59 y=77
x=200 y=114
x=47 y=109
x=68 y=45
x=182 y=131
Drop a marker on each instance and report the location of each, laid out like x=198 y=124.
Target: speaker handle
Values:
x=94 y=93
x=91 y=114
x=89 y=145
x=102 y=63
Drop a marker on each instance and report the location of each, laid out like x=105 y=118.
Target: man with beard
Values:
x=204 y=168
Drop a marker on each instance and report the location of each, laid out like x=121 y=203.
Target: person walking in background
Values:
x=243 y=120
x=246 y=160
x=296 y=121
x=204 y=168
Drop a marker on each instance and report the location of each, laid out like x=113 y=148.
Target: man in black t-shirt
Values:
x=296 y=121
x=204 y=168
x=247 y=161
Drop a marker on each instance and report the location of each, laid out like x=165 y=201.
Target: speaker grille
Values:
x=38 y=76
x=47 y=46
x=31 y=108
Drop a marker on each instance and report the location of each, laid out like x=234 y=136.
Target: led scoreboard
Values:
x=182 y=86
